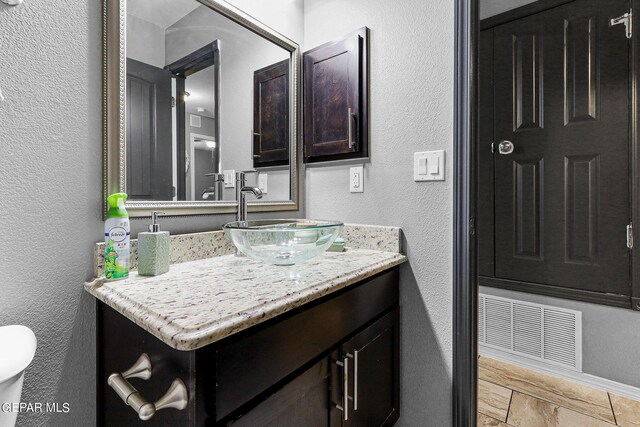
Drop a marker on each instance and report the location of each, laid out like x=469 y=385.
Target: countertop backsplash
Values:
x=197 y=246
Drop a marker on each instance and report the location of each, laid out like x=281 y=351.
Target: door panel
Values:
x=149 y=146
x=527 y=77
x=562 y=196
x=528 y=177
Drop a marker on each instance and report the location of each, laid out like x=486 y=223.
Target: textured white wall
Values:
x=412 y=47
x=50 y=170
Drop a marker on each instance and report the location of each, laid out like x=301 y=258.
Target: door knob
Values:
x=505 y=147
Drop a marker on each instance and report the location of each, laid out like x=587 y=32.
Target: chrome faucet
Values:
x=241 y=194
x=211 y=191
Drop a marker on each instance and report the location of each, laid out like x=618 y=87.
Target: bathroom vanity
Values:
x=254 y=344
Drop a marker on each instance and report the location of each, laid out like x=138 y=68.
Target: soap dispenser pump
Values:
x=154 y=249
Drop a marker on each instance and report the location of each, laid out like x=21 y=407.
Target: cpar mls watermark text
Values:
x=55 y=407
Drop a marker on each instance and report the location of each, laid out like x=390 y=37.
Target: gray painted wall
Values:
x=610 y=336
x=412 y=47
x=50 y=170
x=51 y=175
x=494 y=7
x=145 y=41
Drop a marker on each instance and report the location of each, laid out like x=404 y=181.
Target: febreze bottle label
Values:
x=116 y=255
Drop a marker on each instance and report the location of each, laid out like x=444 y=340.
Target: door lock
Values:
x=505 y=147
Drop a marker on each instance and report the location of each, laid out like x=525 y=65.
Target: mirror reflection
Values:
x=205 y=98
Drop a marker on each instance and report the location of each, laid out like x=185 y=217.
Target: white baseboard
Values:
x=579 y=377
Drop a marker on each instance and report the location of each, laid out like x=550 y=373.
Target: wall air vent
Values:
x=543 y=333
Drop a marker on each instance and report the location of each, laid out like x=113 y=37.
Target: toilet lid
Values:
x=17 y=347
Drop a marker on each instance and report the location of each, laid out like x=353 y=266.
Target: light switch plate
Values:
x=429 y=166
x=356 y=179
x=229 y=178
x=262 y=182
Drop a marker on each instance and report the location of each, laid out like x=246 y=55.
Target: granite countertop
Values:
x=199 y=302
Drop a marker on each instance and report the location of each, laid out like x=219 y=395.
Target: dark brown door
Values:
x=335 y=119
x=271 y=115
x=149 y=152
x=372 y=372
x=562 y=100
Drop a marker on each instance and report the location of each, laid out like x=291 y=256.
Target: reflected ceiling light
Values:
x=210 y=144
x=200 y=109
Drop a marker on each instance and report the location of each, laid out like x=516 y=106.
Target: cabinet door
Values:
x=335 y=100
x=302 y=402
x=372 y=359
x=271 y=115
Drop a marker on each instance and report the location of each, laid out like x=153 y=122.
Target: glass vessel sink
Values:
x=283 y=241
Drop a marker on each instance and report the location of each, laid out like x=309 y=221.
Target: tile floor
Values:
x=510 y=395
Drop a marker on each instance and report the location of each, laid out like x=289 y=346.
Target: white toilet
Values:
x=17 y=347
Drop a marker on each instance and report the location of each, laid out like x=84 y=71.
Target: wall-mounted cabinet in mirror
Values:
x=198 y=90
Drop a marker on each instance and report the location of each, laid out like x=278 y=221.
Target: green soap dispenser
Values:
x=154 y=249
x=116 y=238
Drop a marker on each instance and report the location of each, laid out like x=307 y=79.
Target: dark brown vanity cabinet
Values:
x=271 y=115
x=356 y=385
x=335 y=100
x=332 y=362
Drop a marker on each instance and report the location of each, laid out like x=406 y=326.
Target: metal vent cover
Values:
x=544 y=333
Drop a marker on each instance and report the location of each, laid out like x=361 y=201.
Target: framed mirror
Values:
x=194 y=91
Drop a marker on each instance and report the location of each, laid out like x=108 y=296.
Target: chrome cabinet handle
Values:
x=355 y=380
x=350 y=120
x=505 y=147
x=176 y=397
x=345 y=387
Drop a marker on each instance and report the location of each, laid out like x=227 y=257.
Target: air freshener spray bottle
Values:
x=116 y=238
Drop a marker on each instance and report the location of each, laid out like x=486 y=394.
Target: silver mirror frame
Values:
x=114 y=118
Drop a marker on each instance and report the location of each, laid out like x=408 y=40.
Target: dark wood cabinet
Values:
x=373 y=383
x=335 y=99
x=302 y=402
x=288 y=371
x=271 y=115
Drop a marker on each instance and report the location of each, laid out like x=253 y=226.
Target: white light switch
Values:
x=434 y=167
x=429 y=166
x=262 y=182
x=356 y=179
x=422 y=166
x=229 y=178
